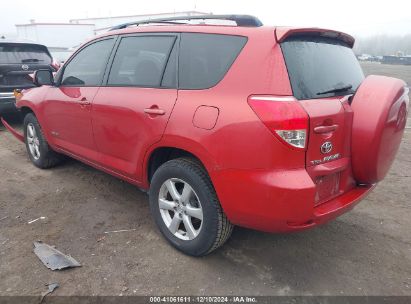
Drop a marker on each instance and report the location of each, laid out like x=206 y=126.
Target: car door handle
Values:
x=154 y=111
x=84 y=102
x=325 y=129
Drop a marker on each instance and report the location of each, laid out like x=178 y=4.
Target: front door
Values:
x=68 y=105
x=131 y=111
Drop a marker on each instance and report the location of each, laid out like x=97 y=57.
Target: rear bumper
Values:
x=7 y=102
x=341 y=204
x=278 y=201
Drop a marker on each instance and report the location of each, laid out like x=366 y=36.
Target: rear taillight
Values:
x=284 y=116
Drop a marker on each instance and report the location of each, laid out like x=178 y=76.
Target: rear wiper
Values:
x=31 y=60
x=336 y=90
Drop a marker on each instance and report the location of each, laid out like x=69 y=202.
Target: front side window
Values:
x=206 y=58
x=141 y=60
x=88 y=66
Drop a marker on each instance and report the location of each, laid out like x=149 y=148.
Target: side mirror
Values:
x=43 y=77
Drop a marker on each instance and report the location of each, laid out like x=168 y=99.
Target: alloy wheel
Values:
x=180 y=209
x=33 y=141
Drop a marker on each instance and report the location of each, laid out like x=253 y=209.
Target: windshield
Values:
x=23 y=53
x=321 y=67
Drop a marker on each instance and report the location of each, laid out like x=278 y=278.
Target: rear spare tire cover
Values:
x=380 y=108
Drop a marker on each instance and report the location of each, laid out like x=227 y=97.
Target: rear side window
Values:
x=206 y=58
x=23 y=53
x=88 y=65
x=141 y=61
x=317 y=65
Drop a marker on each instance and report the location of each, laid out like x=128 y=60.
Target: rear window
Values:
x=317 y=65
x=206 y=58
x=23 y=53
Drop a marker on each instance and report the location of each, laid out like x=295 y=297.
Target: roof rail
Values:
x=240 y=20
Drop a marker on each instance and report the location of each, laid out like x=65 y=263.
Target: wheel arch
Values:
x=160 y=154
x=27 y=107
x=26 y=110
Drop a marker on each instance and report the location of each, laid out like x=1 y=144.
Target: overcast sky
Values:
x=360 y=18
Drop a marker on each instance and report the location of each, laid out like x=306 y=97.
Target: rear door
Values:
x=131 y=111
x=324 y=73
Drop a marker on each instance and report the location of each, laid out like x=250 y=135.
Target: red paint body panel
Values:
x=261 y=182
x=205 y=117
x=68 y=119
x=283 y=32
x=123 y=131
x=381 y=109
x=278 y=201
x=328 y=112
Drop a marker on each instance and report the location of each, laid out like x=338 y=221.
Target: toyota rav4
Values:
x=270 y=128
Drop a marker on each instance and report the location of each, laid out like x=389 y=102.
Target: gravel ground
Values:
x=364 y=252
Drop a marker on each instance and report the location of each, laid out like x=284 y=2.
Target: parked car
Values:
x=61 y=56
x=17 y=61
x=269 y=128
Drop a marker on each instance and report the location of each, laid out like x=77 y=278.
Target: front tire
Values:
x=186 y=209
x=37 y=147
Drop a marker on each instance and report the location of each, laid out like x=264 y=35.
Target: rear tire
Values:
x=186 y=209
x=40 y=153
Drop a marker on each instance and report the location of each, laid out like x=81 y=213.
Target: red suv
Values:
x=270 y=128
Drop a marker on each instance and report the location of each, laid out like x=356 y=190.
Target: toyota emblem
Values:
x=25 y=67
x=326 y=147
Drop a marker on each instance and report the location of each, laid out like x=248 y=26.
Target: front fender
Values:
x=32 y=99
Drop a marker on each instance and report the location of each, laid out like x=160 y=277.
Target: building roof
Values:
x=140 y=16
x=53 y=23
x=19 y=41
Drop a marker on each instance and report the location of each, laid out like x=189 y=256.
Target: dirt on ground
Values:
x=364 y=252
x=399 y=71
